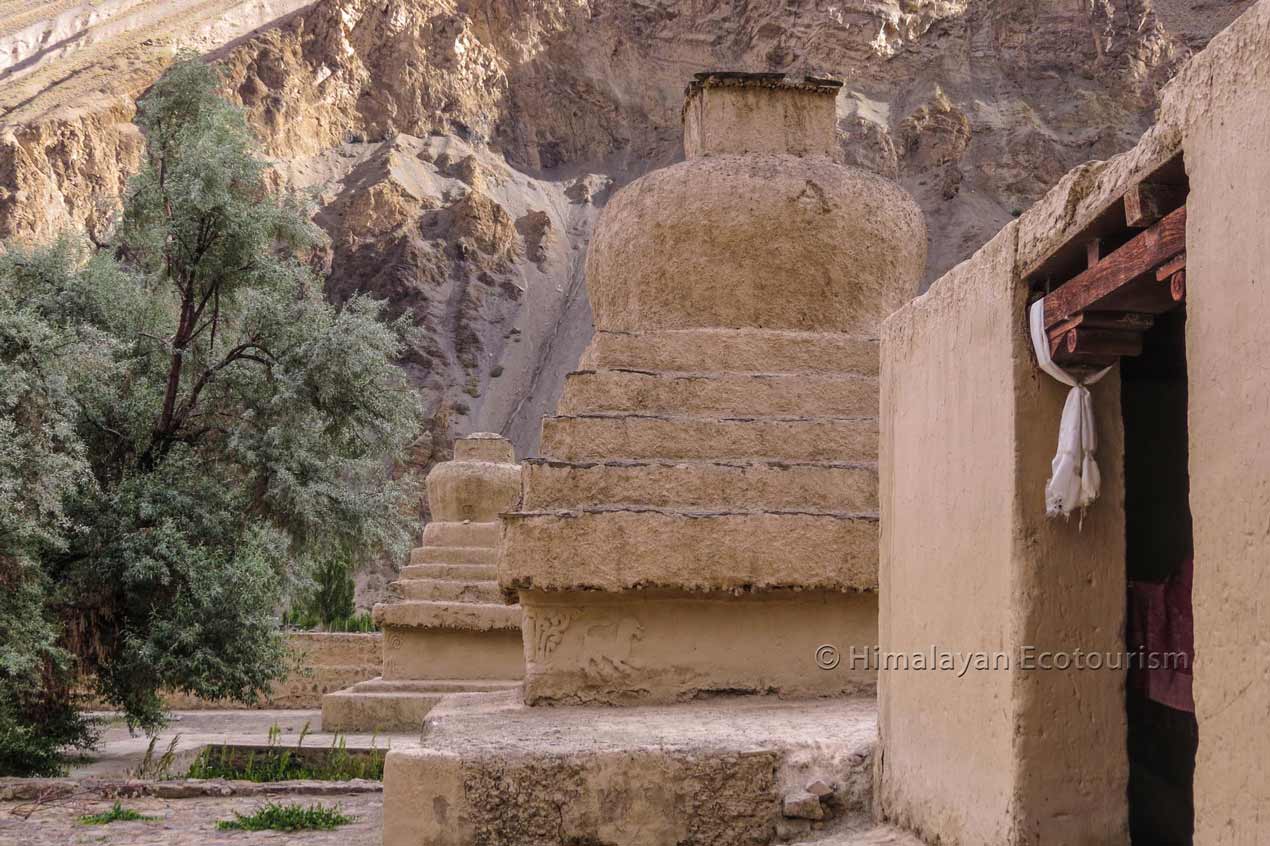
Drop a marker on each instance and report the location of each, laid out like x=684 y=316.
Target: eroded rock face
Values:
x=460 y=150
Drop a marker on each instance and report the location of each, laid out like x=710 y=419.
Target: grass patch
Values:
x=118 y=813
x=278 y=763
x=275 y=817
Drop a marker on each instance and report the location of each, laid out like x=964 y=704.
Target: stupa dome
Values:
x=761 y=226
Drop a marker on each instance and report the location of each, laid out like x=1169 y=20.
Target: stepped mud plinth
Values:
x=705 y=513
x=494 y=771
x=448 y=629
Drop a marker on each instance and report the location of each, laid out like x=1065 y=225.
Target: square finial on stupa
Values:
x=733 y=112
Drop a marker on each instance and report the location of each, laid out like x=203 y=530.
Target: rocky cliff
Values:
x=459 y=151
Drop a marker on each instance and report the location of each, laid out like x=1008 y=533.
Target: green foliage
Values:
x=333 y=594
x=281 y=763
x=117 y=813
x=292 y=817
x=43 y=466
x=329 y=605
x=306 y=620
x=361 y=623
x=187 y=429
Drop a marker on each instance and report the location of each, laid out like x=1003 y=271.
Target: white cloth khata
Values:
x=1074 y=479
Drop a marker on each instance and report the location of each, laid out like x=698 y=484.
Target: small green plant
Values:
x=156 y=769
x=118 y=813
x=276 y=817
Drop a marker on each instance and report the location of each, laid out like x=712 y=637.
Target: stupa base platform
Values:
x=661 y=647
x=392 y=706
x=733 y=770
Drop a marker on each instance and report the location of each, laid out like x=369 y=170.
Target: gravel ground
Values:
x=184 y=822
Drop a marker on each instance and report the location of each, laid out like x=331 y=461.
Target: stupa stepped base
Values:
x=449 y=534
x=601 y=437
x=449 y=572
x=395 y=706
x=620 y=549
x=428 y=639
x=491 y=771
x=739 y=350
x=731 y=393
x=449 y=590
x=810 y=486
x=453 y=555
x=592 y=647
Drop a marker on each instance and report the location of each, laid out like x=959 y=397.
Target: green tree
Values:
x=188 y=427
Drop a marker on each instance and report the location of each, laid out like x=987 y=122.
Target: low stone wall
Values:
x=326 y=663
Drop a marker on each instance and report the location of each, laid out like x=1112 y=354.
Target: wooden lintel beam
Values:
x=1127 y=321
x=1083 y=361
x=1147 y=202
x=1102 y=342
x=1100 y=287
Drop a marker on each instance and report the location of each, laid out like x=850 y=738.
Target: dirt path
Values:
x=184 y=822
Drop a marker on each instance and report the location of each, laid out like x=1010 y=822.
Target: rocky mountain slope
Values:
x=459 y=151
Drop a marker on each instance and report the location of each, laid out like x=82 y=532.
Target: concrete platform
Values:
x=490 y=770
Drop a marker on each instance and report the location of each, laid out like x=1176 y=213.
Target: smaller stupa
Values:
x=447 y=630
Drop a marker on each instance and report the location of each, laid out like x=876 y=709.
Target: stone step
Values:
x=440 y=533
x=448 y=590
x=713 y=772
x=623 y=549
x=453 y=555
x=382 y=685
x=466 y=616
x=598 y=437
x=394 y=706
x=821 y=486
x=770 y=351
x=859 y=835
x=734 y=394
x=449 y=572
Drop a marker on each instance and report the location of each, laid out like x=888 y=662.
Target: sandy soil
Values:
x=184 y=822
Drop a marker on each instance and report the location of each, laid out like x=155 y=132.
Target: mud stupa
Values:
x=705 y=517
x=448 y=630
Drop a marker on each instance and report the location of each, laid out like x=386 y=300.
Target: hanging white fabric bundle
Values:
x=1074 y=479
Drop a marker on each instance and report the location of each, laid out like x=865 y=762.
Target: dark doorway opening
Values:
x=1163 y=734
